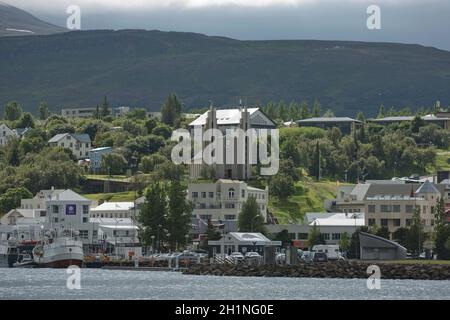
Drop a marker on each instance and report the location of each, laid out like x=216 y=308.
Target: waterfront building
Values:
x=373 y=247
x=345 y=124
x=223 y=199
x=117 y=210
x=79 y=144
x=331 y=226
x=96 y=156
x=241 y=242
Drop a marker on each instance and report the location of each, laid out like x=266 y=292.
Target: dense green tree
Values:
x=114 y=163
x=106 y=109
x=250 y=218
x=344 y=242
x=148 y=163
x=304 y=110
x=13 y=111
x=43 y=111
x=170 y=171
x=284 y=237
x=317 y=107
x=11 y=198
x=171 y=110
x=281 y=186
x=163 y=131
x=179 y=215
x=315 y=237
x=381 y=112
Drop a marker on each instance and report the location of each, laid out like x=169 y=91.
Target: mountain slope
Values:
x=140 y=68
x=16 y=22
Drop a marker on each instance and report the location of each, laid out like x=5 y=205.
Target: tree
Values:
x=169 y=171
x=344 y=242
x=179 y=215
x=315 y=237
x=381 y=112
x=148 y=163
x=114 y=163
x=354 y=249
x=416 y=236
x=284 y=237
x=281 y=186
x=25 y=121
x=171 y=110
x=106 y=110
x=153 y=216
x=43 y=111
x=163 y=131
x=401 y=235
x=13 y=111
x=250 y=219
x=442 y=230
x=328 y=114
x=316 y=108
x=304 y=110
x=11 y=198
x=383 y=232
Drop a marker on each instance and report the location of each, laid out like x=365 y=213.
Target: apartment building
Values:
x=79 y=144
x=223 y=199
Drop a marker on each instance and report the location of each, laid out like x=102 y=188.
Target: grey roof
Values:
x=84 y=138
x=403 y=189
x=428 y=117
x=68 y=195
x=427 y=187
x=328 y=119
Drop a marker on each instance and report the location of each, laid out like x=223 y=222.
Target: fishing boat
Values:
x=58 y=252
x=24 y=261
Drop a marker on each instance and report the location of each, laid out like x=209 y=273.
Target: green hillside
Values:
x=140 y=68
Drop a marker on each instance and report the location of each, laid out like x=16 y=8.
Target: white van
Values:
x=332 y=251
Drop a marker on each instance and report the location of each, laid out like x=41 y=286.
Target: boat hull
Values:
x=60 y=264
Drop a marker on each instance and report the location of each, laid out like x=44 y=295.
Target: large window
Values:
x=371 y=222
x=204 y=195
x=231 y=193
x=396 y=222
x=84 y=234
x=230 y=205
x=85 y=209
x=384 y=222
x=230 y=217
x=409 y=208
x=371 y=208
x=386 y=208
x=55 y=209
x=325 y=236
x=336 y=236
x=194 y=195
x=302 y=236
x=396 y=208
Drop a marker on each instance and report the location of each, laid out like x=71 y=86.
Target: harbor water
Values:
x=121 y=284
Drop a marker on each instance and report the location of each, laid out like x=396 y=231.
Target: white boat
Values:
x=24 y=261
x=8 y=252
x=60 y=252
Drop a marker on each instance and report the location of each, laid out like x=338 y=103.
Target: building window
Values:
x=202 y=205
x=408 y=222
x=371 y=208
x=409 y=208
x=243 y=193
x=43 y=213
x=211 y=194
x=204 y=195
x=194 y=194
x=230 y=217
x=325 y=236
x=396 y=222
x=55 y=220
x=386 y=208
x=55 y=209
x=85 y=220
x=205 y=217
x=396 y=208
x=230 y=205
x=384 y=222
x=336 y=236
x=95 y=234
x=371 y=222
x=84 y=234
x=85 y=209
x=302 y=236
x=231 y=193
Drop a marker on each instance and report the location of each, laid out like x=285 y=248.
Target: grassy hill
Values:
x=308 y=197
x=140 y=68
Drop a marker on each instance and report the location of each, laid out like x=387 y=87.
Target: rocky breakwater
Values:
x=338 y=269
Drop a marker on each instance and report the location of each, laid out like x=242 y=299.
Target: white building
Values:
x=330 y=225
x=6 y=134
x=117 y=210
x=223 y=120
x=79 y=144
x=73 y=113
x=118 y=236
x=223 y=199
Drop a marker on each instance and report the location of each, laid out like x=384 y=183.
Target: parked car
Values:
x=307 y=256
x=280 y=258
x=252 y=255
x=319 y=257
x=186 y=257
x=237 y=257
x=332 y=251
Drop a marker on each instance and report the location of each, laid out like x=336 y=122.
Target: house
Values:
x=39 y=201
x=118 y=237
x=223 y=199
x=392 y=204
x=79 y=144
x=117 y=210
x=332 y=225
x=226 y=120
x=6 y=134
x=441 y=119
x=24 y=216
x=96 y=156
x=241 y=242
x=345 y=124
x=373 y=247
x=73 y=113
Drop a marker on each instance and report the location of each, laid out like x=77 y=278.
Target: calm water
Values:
x=113 y=284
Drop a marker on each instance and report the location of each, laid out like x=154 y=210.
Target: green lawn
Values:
x=308 y=197
x=106 y=177
x=117 y=197
x=443 y=160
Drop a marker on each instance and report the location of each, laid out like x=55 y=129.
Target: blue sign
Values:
x=71 y=209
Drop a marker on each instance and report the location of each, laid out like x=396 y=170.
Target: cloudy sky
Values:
x=425 y=22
